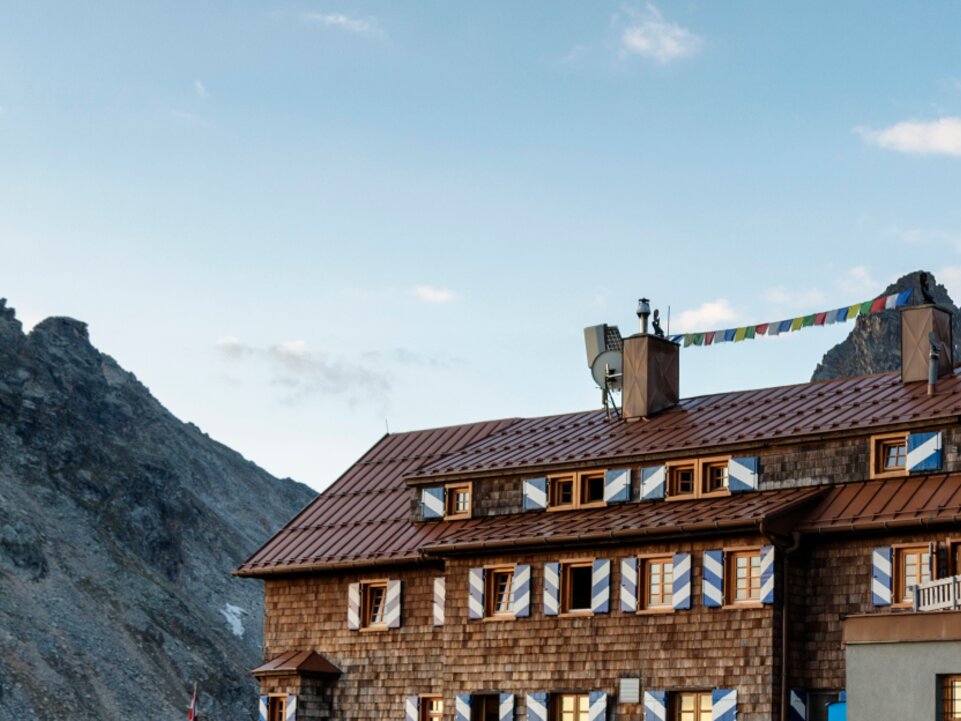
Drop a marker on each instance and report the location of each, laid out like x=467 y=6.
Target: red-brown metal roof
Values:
x=297 y=662
x=741 y=417
x=889 y=503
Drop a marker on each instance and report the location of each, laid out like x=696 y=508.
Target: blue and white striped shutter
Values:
x=521 y=591
x=537 y=707
x=535 y=494
x=724 y=704
x=617 y=486
x=475 y=593
x=290 y=708
x=598 y=706
x=392 y=608
x=655 y=706
x=742 y=474
x=713 y=581
x=881 y=576
x=552 y=584
x=629 y=585
x=798 y=705
x=924 y=452
x=767 y=574
x=353 y=606
x=601 y=586
x=432 y=502
x=440 y=600
x=412 y=708
x=506 y=708
x=653 y=482
x=462 y=707
x=262 y=708
x=681 y=591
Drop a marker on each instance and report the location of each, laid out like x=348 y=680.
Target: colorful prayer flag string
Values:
x=828 y=317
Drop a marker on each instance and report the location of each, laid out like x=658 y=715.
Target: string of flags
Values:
x=828 y=317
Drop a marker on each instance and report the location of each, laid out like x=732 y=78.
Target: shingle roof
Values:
x=364 y=517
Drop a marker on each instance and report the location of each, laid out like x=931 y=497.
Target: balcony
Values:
x=942 y=594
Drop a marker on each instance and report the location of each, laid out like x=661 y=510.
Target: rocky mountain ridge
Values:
x=119 y=527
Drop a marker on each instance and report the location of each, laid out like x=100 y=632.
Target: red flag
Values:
x=192 y=711
x=878 y=305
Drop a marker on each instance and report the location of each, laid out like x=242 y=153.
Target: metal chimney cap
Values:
x=643 y=307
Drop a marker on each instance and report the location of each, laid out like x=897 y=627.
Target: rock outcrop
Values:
x=119 y=527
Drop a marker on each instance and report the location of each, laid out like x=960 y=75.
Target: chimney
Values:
x=921 y=327
x=651 y=375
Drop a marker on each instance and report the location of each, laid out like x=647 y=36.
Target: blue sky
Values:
x=294 y=220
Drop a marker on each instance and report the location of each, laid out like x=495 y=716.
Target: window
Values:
x=457 y=498
x=276 y=708
x=577 y=579
x=570 y=706
x=497 y=594
x=912 y=565
x=657 y=583
x=691 y=706
x=431 y=708
x=373 y=604
x=576 y=490
x=954 y=556
x=889 y=454
x=951 y=700
x=742 y=578
x=485 y=707
x=697 y=478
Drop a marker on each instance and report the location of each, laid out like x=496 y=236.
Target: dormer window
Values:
x=562 y=491
x=889 y=455
x=592 y=488
x=698 y=478
x=457 y=498
x=575 y=490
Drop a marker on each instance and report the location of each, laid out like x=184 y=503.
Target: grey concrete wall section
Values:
x=899 y=681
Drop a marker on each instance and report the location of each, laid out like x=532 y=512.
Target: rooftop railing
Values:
x=938 y=595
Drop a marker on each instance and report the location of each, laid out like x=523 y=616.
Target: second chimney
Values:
x=651 y=376
x=918 y=322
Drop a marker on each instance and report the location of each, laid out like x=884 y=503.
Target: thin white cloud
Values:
x=950 y=277
x=935 y=137
x=201 y=90
x=651 y=36
x=857 y=283
x=367 y=26
x=929 y=236
x=782 y=298
x=429 y=294
x=708 y=316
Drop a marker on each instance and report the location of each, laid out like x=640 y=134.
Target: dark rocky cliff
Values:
x=874 y=344
x=119 y=527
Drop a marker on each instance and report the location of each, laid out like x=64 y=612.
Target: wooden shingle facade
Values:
x=696 y=565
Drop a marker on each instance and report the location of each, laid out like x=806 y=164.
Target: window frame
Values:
x=578 y=480
x=555 y=703
x=424 y=712
x=490 y=575
x=674 y=703
x=365 y=596
x=565 y=591
x=275 y=700
x=700 y=467
x=878 y=444
x=730 y=577
x=953 y=546
x=947 y=683
x=643 y=585
x=899 y=579
x=450 y=512
x=487 y=698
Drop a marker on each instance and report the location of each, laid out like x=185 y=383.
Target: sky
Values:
x=301 y=224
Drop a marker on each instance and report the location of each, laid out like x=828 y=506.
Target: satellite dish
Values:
x=607 y=369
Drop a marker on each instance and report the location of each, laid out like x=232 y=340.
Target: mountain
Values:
x=874 y=344
x=119 y=527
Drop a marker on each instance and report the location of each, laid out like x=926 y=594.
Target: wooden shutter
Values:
x=653 y=482
x=353 y=606
x=601 y=586
x=475 y=591
x=767 y=574
x=713 y=581
x=412 y=708
x=742 y=474
x=724 y=704
x=881 y=576
x=537 y=707
x=290 y=708
x=552 y=585
x=655 y=706
x=629 y=585
x=462 y=707
x=681 y=591
x=535 y=494
x=617 y=485
x=924 y=452
x=798 y=705
x=432 y=502
x=506 y=708
x=598 y=706
x=521 y=590
x=262 y=708
x=440 y=600
x=392 y=601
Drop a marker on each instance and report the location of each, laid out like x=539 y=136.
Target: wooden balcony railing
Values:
x=938 y=595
